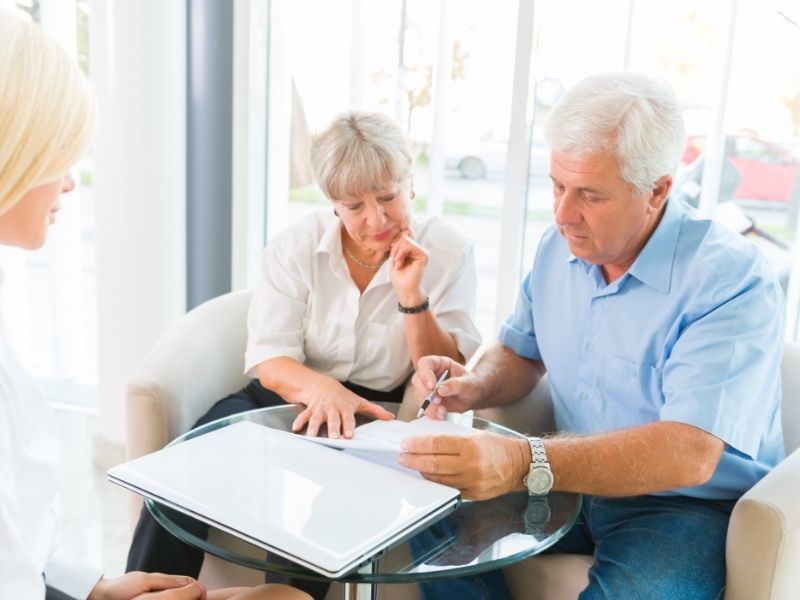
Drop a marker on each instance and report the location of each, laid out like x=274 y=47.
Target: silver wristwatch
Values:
x=539 y=479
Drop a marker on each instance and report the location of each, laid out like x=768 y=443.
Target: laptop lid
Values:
x=320 y=507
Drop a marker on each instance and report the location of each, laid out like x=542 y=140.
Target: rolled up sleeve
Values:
x=277 y=309
x=517 y=332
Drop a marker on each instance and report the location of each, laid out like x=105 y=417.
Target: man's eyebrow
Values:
x=590 y=190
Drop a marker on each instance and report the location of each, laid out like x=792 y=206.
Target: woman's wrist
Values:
x=411 y=298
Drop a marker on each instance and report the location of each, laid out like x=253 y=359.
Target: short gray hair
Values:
x=635 y=116
x=360 y=152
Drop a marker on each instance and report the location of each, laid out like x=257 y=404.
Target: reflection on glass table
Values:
x=476 y=537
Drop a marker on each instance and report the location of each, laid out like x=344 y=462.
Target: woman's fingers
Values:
x=373 y=410
x=301 y=420
x=334 y=423
x=348 y=424
x=315 y=422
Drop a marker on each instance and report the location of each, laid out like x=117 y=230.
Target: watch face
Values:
x=540 y=481
x=537 y=514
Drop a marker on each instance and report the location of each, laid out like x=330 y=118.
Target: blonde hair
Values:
x=360 y=152
x=47 y=110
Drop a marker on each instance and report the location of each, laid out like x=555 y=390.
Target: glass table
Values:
x=476 y=537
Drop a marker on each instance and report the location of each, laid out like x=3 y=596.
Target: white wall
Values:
x=139 y=69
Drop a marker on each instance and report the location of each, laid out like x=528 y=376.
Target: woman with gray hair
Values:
x=46 y=124
x=348 y=301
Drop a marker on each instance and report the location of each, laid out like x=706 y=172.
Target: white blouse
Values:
x=307 y=307
x=30 y=457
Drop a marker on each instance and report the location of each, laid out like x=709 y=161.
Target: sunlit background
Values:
x=471 y=82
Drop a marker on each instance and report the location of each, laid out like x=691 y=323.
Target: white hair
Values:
x=360 y=152
x=46 y=110
x=635 y=116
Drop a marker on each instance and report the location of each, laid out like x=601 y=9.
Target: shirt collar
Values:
x=649 y=265
x=331 y=240
x=654 y=264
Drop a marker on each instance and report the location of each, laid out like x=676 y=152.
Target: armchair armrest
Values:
x=763 y=545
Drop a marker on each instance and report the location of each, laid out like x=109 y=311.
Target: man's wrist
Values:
x=521 y=464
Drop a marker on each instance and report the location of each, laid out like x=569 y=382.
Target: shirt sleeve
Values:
x=73 y=577
x=518 y=332
x=723 y=373
x=455 y=307
x=275 y=317
x=20 y=577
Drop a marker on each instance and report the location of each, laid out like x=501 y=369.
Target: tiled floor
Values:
x=94 y=512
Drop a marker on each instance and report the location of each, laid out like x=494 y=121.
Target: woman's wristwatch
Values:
x=539 y=479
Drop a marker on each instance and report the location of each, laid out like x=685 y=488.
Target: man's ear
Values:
x=660 y=193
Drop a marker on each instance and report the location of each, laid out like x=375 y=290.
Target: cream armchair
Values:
x=201 y=358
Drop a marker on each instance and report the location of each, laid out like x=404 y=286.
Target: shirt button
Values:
x=582 y=396
x=589 y=346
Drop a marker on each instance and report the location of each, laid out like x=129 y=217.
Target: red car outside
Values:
x=768 y=171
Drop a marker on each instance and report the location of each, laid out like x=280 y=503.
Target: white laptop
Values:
x=323 y=508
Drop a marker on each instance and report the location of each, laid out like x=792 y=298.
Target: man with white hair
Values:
x=661 y=333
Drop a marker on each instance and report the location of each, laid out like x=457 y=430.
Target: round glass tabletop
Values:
x=476 y=537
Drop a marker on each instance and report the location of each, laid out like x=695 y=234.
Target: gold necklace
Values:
x=361 y=263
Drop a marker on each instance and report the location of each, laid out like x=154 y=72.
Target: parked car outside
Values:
x=768 y=171
x=485 y=157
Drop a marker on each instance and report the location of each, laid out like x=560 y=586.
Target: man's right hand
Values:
x=459 y=393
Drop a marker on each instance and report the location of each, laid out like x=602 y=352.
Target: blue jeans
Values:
x=669 y=547
x=654 y=547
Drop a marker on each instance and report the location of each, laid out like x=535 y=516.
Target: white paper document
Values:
x=380 y=441
x=386 y=436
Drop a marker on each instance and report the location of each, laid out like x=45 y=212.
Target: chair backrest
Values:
x=198 y=361
x=790 y=403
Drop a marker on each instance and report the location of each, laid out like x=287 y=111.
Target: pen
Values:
x=429 y=398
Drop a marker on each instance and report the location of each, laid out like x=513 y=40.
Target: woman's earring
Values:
x=335 y=213
x=413 y=194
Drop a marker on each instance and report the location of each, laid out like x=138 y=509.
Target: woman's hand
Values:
x=148 y=586
x=332 y=403
x=407 y=262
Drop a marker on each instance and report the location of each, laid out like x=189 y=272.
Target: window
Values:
x=446 y=72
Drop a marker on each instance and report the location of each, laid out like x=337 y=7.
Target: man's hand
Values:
x=148 y=586
x=480 y=466
x=334 y=404
x=458 y=393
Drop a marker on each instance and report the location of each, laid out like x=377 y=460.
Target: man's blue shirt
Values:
x=693 y=333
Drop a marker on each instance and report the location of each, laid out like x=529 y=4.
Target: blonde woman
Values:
x=46 y=124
